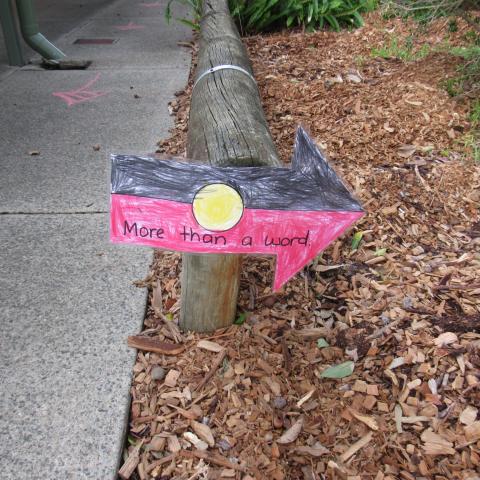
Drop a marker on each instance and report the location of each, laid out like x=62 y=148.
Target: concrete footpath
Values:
x=66 y=295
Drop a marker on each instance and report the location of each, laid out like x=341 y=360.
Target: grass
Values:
x=468 y=77
x=195 y=7
x=360 y=61
x=472 y=139
x=467 y=80
x=423 y=11
x=475 y=114
x=468 y=73
x=404 y=51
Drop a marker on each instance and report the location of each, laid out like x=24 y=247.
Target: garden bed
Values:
x=250 y=401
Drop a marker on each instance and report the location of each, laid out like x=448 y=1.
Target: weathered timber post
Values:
x=227 y=127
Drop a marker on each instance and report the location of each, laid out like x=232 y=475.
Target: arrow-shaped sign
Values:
x=291 y=213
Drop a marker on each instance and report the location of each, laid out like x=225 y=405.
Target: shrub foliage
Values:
x=255 y=16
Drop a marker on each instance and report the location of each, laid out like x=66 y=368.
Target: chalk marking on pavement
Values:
x=80 y=95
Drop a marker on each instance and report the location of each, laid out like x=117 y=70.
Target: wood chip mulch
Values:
x=404 y=307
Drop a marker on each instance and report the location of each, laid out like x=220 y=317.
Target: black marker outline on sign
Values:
x=310 y=185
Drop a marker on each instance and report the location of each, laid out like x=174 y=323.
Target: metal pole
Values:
x=11 y=34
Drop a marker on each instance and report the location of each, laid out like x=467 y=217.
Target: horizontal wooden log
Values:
x=227 y=127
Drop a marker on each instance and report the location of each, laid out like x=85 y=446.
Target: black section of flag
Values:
x=310 y=185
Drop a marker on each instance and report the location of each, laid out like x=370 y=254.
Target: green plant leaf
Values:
x=267 y=15
x=357 y=19
x=322 y=343
x=333 y=22
x=168 y=11
x=380 y=252
x=357 y=238
x=240 y=320
x=195 y=7
x=339 y=371
x=189 y=23
x=310 y=13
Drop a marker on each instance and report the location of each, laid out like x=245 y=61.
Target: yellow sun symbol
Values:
x=217 y=207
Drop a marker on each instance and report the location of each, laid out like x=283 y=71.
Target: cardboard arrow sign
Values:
x=292 y=213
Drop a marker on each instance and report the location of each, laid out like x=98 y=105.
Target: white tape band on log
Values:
x=223 y=67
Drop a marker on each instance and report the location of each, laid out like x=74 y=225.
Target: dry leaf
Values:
x=171 y=378
x=317 y=450
x=339 y=371
x=157 y=444
x=370 y=422
x=326 y=268
x=192 y=414
x=157 y=299
x=274 y=386
x=414 y=103
x=195 y=441
x=352 y=77
x=131 y=463
x=210 y=346
x=204 y=432
x=469 y=415
x=396 y=362
x=173 y=445
x=436 y=444
x=472 y=432
x=228 y=473
x=406 y=151
x=445 y=339
x=353 y=449
x=153 y=345
x=292 y=433
x=305 y=398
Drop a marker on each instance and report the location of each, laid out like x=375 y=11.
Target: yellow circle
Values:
x=217 y=207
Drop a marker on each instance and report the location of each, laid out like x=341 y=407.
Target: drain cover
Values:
x=94 y=41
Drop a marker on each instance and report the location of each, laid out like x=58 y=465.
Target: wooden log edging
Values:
x=227 y=127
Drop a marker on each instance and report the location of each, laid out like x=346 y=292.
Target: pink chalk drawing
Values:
x=130 y=26
x=151 y=5
x=80 y=95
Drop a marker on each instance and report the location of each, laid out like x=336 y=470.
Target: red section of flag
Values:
x=295 y=237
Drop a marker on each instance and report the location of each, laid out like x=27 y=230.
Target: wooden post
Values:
x=226 y=127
